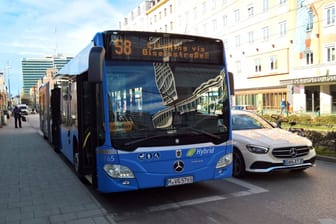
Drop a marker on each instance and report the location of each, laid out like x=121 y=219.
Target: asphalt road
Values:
x=277 y=198
x=285 y=197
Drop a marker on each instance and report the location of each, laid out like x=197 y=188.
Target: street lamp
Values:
x=9 y=92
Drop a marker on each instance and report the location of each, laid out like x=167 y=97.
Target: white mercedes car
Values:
x=258 y=146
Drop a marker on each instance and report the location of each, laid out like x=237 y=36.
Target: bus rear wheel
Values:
x=76 y=160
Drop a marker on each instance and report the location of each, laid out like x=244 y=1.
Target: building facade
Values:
x=33 y=69
x=277 y=49
x=312 y=80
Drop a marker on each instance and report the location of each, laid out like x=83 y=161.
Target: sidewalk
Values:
x=37 y=186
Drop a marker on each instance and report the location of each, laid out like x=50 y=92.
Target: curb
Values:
x=326 y=158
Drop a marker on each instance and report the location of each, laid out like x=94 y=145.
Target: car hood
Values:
x=273 y=138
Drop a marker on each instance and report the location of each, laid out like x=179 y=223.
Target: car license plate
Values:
x=180 y=181
x=291 y=162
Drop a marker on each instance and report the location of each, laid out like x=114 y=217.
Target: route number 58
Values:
x=123 y=47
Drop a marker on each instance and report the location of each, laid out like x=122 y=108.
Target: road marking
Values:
x=327 y=221
x=252 y=189
x=186 y=203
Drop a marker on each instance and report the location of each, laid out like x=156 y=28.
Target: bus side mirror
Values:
x=231 y=82
x=96 y=64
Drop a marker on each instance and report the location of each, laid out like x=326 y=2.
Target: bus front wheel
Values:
x=238 y=164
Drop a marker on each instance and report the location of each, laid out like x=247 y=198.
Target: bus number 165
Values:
x=123 y=47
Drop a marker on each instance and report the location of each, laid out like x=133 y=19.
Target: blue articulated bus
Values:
x=137 y=110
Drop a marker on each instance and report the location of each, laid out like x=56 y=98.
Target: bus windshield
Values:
x=160 y=104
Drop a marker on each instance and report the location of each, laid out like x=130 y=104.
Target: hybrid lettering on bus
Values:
x=138 y=110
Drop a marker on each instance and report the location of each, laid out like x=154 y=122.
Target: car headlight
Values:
x=118 y=171
x=224 y=161
x=311 y=147
x=257 y=149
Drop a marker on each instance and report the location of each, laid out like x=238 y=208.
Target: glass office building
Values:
x=34 y=69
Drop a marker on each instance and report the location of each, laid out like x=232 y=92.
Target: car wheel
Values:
x=238 y=164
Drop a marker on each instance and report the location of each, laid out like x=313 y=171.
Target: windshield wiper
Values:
x=203 y=132
x=144 y=139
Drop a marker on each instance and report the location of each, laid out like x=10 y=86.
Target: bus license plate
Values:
x=291 y=162
x=180 y=181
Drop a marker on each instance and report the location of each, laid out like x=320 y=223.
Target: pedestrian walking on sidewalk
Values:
x=17 y=116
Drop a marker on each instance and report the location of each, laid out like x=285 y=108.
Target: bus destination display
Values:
x=163 y=48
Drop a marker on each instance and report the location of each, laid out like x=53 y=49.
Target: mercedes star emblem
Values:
x=179 y=166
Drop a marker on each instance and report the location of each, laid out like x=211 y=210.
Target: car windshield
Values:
x=159 y=104
x=247 y=121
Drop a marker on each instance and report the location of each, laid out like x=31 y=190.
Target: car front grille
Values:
x=290 y=152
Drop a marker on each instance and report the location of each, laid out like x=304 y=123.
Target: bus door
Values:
x=55 y=117
x=87 y=149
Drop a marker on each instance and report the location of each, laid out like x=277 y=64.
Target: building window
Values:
x=226 y=43
x=265 y=33
x=171 y=26
x=257 y=65
x=309 y=58
x=238 y=66
x=171 y=9
x=250 y=10
x=283 y=28
x=204 y=27
x=273 y=63
x=265 y=5
x=310 y=23
x=195 y=13
x=251 y=37
x=224 y=20
x=213 y=5
x=187 y=17
x=283 y=2
x=237 y=16
x=204 y=9
x=330 y=15
x=330 y=51
x=237 y=41
x=214 y=25
x=165 y=12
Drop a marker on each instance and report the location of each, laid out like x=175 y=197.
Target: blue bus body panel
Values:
x=152 y=167
x=67 y=140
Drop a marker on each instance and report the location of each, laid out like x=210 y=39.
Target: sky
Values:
x=39 y=28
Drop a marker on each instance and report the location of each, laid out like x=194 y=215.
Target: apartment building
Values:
x=136 y=19
x=312 y=80
x=275 y=48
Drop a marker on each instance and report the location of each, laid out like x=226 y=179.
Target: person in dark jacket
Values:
x=17 y=116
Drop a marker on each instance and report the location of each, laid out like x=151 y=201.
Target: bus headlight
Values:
x=224 y=161
x=118 y=171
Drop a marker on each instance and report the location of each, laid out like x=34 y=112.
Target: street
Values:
x=283 y=197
